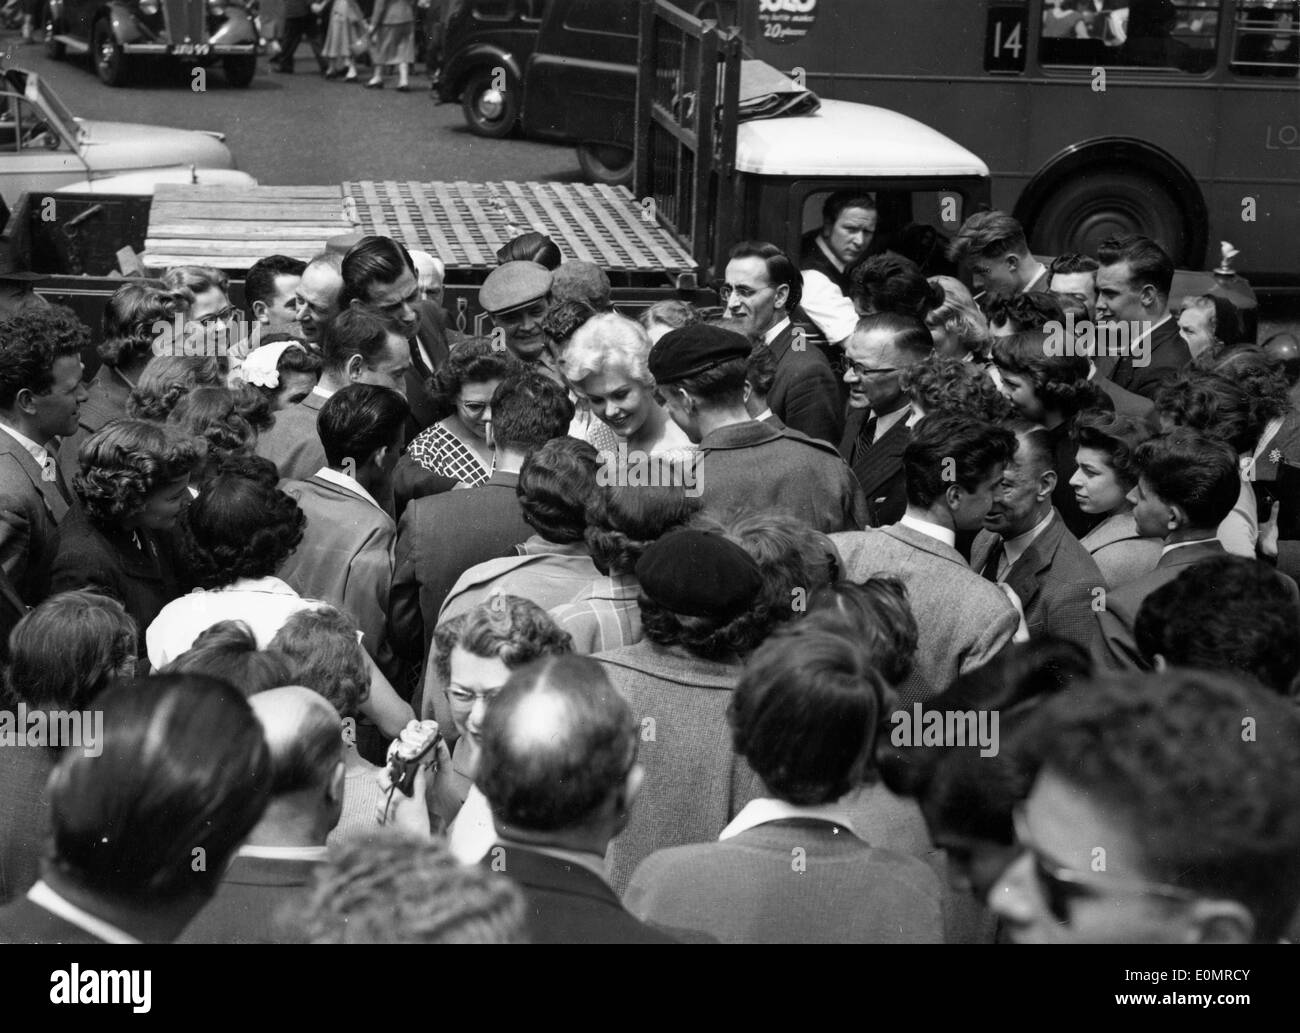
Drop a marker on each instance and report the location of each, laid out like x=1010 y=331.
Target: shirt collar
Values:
x=43 y=896
x=341 y=479
x=1015 y=547
x=821 y=243
x=593 y=863
x=539 y=546
x=286 y=853
x=930 y=530
x=37 y=452
x=765 y=810
x=884 y=424
x=323 y=393
x=270 y=585
x=1181 y=545
x=1154 y=327
x=774 y=332
x=764 y=414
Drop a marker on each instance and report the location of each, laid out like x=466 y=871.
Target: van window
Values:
x=1266 y=38
x=494 y=10
x=1179 y=35
x=23 y=126
x=618 y=17
x=915 y=223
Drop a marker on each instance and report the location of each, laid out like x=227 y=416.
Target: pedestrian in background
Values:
x=345 y=39
x=392 y=34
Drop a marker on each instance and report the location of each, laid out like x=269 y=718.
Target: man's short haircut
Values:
x=259 y=284
x=988 y=235
x=508 y=628
x=952 y=449
x=354 y=332
x=760 y=371
x=528 y=410
x=877 y=618
x=1228 y=614
x=838 y=202
x=395 y=887
x=557 y=740
x=370 y=261
x=563 y=320
x=908 y=333
x=1194 y=471
x=66 y=651
x=1147 y=261
x=239 y=527
x=623 y=521
x=555 y=484
x=780 y=270
x=228 y=651
x=129 y=319
x=582 y=281
x=805 y=715
x=1026 y=311
x=184 y=767
x=323 y=652
x=1116 y=436
x=1164 y=756
x=939 y=384
x=326 y=259
x=893 y=283
x=1070 y=263
x=126 y=461
x=306 y=743
x=359 y=420
x=31 y=342
x=192 y=280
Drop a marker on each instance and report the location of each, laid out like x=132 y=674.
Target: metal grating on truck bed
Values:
x=465 y=223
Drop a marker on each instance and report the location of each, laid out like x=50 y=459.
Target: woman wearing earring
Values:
x=392 y=34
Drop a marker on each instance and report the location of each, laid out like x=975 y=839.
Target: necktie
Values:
x=990 y=571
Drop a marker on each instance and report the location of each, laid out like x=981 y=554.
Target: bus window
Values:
x=1173 y=34
x=1266 y=38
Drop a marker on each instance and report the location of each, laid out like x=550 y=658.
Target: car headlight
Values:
x=149 y=7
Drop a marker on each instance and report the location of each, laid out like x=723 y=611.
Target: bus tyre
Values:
x=606 y=163
x=54 y=50
x=106 y=52
x=1095 y=204
x=239 y=70
x=488 y=110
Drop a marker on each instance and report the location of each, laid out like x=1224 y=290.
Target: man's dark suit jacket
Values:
x=566 y=903
x=24 y=817
x=1054 y=580
x=249 y=903
x=1169 y=356
x=805 y=392
x=432 y=332
x=439 y=538
x=30 y=510
x=24 y=922
x=1126 y=403
x=878 y=466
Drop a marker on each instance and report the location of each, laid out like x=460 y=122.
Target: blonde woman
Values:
x=958 y=327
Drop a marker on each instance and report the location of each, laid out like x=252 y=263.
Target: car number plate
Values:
x=191 y=49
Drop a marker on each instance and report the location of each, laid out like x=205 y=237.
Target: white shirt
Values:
x=326 y=473
x=774 y=332
x=37 y=452
x=472 y=831
x=1014 y=548
x=1179 y=545
x=285 y=853
x=323 y=392
x=884 y=424
x=825 y=303
x=263 y=604
x=931 y=530
x=42 y=895
x=765 y=810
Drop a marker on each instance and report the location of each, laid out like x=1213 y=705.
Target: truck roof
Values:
x=847 y=139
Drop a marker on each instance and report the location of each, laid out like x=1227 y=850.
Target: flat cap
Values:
x=693 y=349
x=512 y=285
x=699 y=574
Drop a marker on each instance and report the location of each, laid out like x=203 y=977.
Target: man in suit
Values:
x=745 y=465
x=123 y=864
x=952 y=467
x=1133 y=286
x=358 y=348
x=272 y=870
x=1188 y=483
x=762 y=288
x=876 y=432
x=41 y=392
x=379 y=277
x=346 y=554
x=559 y=770
x=1026 y=546
x=316 y=298
x=993 y=247
x=442 y=536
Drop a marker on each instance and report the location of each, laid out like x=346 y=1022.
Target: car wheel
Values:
x=106 y=52
x=606 y=163
x=1097 y=203
x=239 y=71
x=488 y=110
x=54 y=50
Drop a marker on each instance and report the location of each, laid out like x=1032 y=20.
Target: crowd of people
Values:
x=858 y=610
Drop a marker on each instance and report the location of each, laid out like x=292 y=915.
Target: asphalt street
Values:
x=301 y=129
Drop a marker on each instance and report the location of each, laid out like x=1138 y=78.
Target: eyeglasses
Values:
x=467 y=697
x=1062 y=886
x=216 y=317
x=862 y=372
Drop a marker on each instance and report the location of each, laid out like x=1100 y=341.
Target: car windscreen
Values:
x=38 y=93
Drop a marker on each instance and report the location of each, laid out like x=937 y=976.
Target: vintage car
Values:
x=119 y=34
x=44 y=147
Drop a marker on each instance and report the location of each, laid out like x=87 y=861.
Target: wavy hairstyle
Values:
x=945 y=385
x=211 y=416
x=622 y=522
x=239 y=528
x=124 y=462
x=959 y=315
x=166 y=380
x=1060 y=381
x=129 y=320
x=509 y=628
x=471 y=361
x=609 y=342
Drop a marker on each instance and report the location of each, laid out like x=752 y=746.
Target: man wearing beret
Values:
x=745 y=465
x=517 y=296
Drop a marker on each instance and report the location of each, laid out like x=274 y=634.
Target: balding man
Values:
x=316 y=298
x=1026 y=546
x=876 y=355
x=270 y=873
x=558 y=767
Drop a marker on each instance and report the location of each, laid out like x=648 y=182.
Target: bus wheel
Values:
x=488 y=110
x=1099 y=203
x=606 y=163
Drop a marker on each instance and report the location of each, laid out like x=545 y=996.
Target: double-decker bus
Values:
x=1175 y=118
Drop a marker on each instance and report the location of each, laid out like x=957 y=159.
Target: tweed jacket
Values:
x=547 y=573
x=30 y=510
x=750 y=467
x=805 y=393
x=1121 y=554
x=878 y=466
x=1056 y=581
x=963 y=621
x=694 y=782
x=293 y=443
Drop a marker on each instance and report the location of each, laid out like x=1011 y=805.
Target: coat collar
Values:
x=547 y=872
x=49 y=490
x=919 y=540
x=1189 y=554
x=739 y=435
x=673 y=663
x=1025 y=575
x=1119 y=527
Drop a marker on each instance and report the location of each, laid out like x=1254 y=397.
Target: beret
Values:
x=693 y=349
x=699 y=574
x=514 y=284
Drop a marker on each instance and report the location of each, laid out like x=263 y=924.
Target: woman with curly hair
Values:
x=211 y=417
x=892 y=283
x=959 y=328
x=284 y=372
x=166 y=380
x=118 y=540
x=943 y=384
x=457 y=447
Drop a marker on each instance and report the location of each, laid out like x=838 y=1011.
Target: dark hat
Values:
x=699 y=574
x=693 y=349
x=513 y=285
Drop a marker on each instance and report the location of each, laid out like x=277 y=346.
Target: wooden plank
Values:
x=173 y=210
x=240 y=230
x=188 y=192
x=255 y=248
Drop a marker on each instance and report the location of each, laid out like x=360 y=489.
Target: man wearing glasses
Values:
x=1166 y=810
